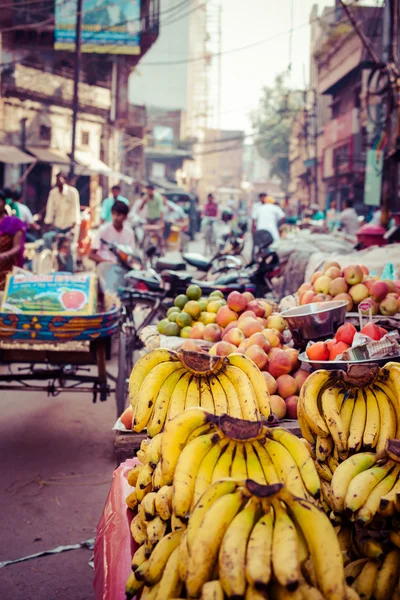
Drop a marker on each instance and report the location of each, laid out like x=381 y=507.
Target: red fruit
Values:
x=287 y=386
x=127 y=417
x=291 y=407
x=271 y=382
x=300 y=376
x=231 y=325
x=237 y=302
x=346 y=333
x=373 y=331
x=337 y=349
x=318 y=351
x=278 y=406
x=258 y=356
x=279 y=364
x=73 y=299
x=383 y=331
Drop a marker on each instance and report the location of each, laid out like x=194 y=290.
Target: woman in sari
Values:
x=12 y=239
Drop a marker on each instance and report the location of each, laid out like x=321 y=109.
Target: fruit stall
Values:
x=222 y=500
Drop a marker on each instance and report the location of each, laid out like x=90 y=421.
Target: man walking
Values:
x=152 y=205
x=106 y=207
x=266 y=218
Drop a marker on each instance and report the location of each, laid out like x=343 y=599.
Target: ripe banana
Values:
x=175 y=435
x=259 y=553
x=206 y=397
x=141 y=554
x=153 y=451
x=286 y=467
x=156 y=530
x=163 y=400
x=148 y=505
x=388 y=421
x=323 y=448
x=163 y=502
x=232 y=397
x=331 y=412
x=138 y=529
x=156 y=479
x=257 y=380
x=183 y=555
x=392 y=388
x=207 y=540
x=193 y=393
x=306 y=432
x=206 y=469
x=388 y=576
x=362 y=485
x=301 y=457
x=170 y=583
x=212 y=590
x=144 y=481
x=132 y=586
x=223 y=466
x=372 y=423
x=232 y=554
x=346 y=413
x=309 y=394
x=357 y=423
x=132 y=500
x=366 y=580
x=386 y=505
x=239 y=469
x=142 y=368
x=270 y=473
x=245 y=392
x=285 y=555
x=323 y=470
x=345 y=472
x=371 y=505
x=186 y=471
x=178 y=396
x=254 y=468
x=160 y=555
x=134 y=474
x=219 y=396
x=148 y=393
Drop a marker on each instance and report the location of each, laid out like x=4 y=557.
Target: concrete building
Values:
x=257 y=175
x=36 y=93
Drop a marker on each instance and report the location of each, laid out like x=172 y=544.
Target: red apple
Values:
x=279 y=364
x=212 y=333
x=379 y=290
x=318 y=352
x=224 y=349
x=307 y=297
x=257 y=307
x=287 y=386
x=337 y=349
x=234 y=336
x=249 y=296
x=346 y=333
x=230 y=326
x=348 y=299
x=237 y=302
x=333 y=272
x=278 y=406
x=388 y=306
x=250 y=326
x=338 y=286
x=258 y=356
x=291 y=407
x=259 y=339
x=300 y=376
x=271 y=382
x=247 y=313
x=197 y=331
x=293 y=354
x=225 y=316
x=372 y=331
x=353 y=274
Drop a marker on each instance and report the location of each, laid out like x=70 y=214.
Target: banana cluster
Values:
x=163 y=383
x=245 y=540
x=377 y=579
x=338 y=419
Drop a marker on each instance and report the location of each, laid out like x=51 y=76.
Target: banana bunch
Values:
x=245 y=540
x=338 y=419
x=163 y=383
x=376 y=578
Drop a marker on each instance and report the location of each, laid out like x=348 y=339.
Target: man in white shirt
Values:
x=267 y=216
x=118 y=232
x=348 y=219
x=63 y=209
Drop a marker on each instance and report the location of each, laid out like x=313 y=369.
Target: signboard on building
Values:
x=163 y=136
x=373 y=178
x=108 y=26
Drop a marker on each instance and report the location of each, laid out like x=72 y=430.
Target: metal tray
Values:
x=342 y=365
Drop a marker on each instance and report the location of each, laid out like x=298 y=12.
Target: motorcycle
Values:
x=112 y=275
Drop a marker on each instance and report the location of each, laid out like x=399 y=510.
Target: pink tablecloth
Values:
x=114 y=546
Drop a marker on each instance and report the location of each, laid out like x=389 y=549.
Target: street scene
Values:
x=200 y=299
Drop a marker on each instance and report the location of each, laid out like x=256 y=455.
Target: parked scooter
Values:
x=112 y=275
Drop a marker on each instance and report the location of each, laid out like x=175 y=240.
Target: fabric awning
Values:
x=89 y=165
x=51 y=156
x=14 y=156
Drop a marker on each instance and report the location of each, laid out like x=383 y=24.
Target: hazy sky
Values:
x=244 y=73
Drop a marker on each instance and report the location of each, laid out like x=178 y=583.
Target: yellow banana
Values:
x=351 y=594
x=205 y=472
x=366 y=580
x=372 y=423
x=322 y=543
x=306 y=432
x=309 y=592
x=371 y=548
x=245 y=392
x=207 y=428
x=206 y=397
x=142 y=368
x=344 y=474
x=160 y=555
x=144 y=444
x=391 y=387
x=219 y=396
x=309 y=394
x=285 y=550
x=138 y=529
x=132 y=500
x=175 y=435
x=156 y=479
x=394 y=537
x=371 y=505
x=207 y=541
x=286 y=467
x=326 y=492
x=178 y=396
x=259 y=553
x=239 y=469
x=278 y=592
x=162 y=402
x=232 y=398
x=132 y=586
x=186 y=471
x=353 y=569
x=331 y=412
x=386 y=505
x=309 y=447
x=257 y=380
x=270 y=473
x=183 y=555
x=153 y=451
x=357 y=423
x=388 y=576
x=141 y=555
x=323 y=448
x=177 y=523
x=150 y=593
x=362 y=485
x=301 y=456
x=148 y=393
x=143 y=481
x=211 y=495
x=388 y=421
x=156 y=529
x=212 y=590
x=323 y=471
x=344 y=536
x=333 y=460
x=170 y=583
x=346 y=413
x=148 y=504
x=140 y=455
x=254 y=468
x=223 y=466
x=163 y=502
x=134 y=474
x=193 y=393
x=232 y=554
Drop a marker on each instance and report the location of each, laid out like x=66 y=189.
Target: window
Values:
x=45 y=133
x=85 y=138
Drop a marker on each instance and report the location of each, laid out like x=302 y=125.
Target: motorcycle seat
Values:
x=197 y=260
x=172 y=276
x=172 y=265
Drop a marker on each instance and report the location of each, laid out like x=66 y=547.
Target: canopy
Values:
x=47 y=155
x=90 y=165
x=14 y=156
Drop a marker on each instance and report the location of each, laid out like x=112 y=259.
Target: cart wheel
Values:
x=125 y=362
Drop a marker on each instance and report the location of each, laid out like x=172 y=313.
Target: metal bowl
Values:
x=343 y=365
x=318 y=320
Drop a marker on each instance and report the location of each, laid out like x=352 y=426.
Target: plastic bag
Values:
x=114 y=545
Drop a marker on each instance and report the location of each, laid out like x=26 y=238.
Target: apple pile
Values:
x=250 y=327
x=353 y=284
x=343 y=340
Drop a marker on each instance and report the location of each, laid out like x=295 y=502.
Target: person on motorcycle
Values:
x=108 y=203
x=266 y=216
x=117 y=232
x=152 y=204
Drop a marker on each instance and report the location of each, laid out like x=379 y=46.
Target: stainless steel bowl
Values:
x=318 y=320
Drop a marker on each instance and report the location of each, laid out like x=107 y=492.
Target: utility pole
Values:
x=75 y=101
x=315 y=140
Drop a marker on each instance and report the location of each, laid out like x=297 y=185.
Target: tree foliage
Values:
x=272 y=122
